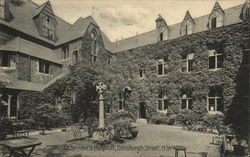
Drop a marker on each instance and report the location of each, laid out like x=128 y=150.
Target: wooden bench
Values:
x=21 y=133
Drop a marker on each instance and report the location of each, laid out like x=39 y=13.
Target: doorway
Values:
x=142 y=110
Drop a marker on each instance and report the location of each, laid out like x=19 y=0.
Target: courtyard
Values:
x=152 y=141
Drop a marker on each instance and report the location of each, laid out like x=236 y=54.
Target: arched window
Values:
x=48 y=28
x=75 y=56
x=94 y=47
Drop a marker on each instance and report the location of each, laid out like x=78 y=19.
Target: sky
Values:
x=120 y=19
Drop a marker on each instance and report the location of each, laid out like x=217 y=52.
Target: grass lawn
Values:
x=152 y=141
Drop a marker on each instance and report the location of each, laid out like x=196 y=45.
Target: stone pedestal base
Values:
x=100 y=135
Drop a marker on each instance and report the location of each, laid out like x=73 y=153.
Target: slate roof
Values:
x=23 y=21
x=77 y=30
x=29 y=48
x=231 y=17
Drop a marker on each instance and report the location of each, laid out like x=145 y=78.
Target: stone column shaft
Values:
x=101 y=111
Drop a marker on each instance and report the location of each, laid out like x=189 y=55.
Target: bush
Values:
x=91 y=122
x=121 y=127
x=134 y=131
x=48 y=116
x=187 y=118
x=77 y=131
x=159 y=119
x=213 y=121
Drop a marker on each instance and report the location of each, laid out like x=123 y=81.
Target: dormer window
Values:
x=216 y=21
x=48 y=28
x=216 y=18
x=187 y=26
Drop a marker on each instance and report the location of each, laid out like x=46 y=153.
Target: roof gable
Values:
x=188 y=17
x=46 y=8
x=217 y=9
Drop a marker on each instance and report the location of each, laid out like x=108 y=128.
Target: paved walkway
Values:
x=152 y=141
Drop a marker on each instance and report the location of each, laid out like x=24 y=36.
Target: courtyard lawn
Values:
x=157 y=139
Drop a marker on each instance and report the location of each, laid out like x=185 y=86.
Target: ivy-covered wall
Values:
x=233 y=77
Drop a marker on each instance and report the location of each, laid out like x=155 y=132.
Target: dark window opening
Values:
x=43 y=67
x=213 y=22
x=247 y=13
x=142 y=72
x=161 y=36
x=186 y=99
x=65 y=52
x=160 y=69
x=215 y=101
x=5 y=62
x=75 y=56
x=163 y=101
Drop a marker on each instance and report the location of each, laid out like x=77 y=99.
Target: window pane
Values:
x=160 y=94
x=47 y=68
x=218 y=91
x=120 y=105
x=220 y=106
x=211 y=104
x=219 y=61
x=41 y=66
x=212 y=62
x=213 y=22
x=211 y=92
x=159 y=104
x=190 y=65
x=183 y=103
x=161 y=36
x=166 y=103
x=5 y=60
x=160 y=69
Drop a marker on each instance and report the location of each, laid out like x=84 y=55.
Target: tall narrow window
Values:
x=75 y=56
x=5 y=59
x=215 y=59
x=248 y=13
x=162 y=66
x=215 y=102
x=186 y=101
x=65 y=52
x=44 y=67
x=213 y=22
x=161 y=36
x=187 y=62
x=163 y=101
x=142 y=72
x=48 y=28
x=94 y=47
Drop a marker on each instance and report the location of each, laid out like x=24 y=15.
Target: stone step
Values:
x=141 y=121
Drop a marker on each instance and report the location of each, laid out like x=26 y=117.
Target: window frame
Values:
x=215 y=98
x=189 y=62
x=48 y=28
x=142 y=72
x=162 y=97
x=215 y=55
x=163 y=64
x=121 y=102
x=7 y=55
x=43 y=67
x=65 y=52
x=187 y=98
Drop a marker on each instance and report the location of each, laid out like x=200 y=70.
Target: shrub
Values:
x=187 y=118
x=159 y=119
x=121 y=127
x=213 y=121
x=77 y=131
x=133 y=130
x=91 y=122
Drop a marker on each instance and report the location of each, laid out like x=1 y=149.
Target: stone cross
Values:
x=100 y=88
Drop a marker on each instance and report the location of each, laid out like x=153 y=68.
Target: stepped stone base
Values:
x=141 y=121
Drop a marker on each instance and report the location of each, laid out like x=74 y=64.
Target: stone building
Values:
x=200 y=60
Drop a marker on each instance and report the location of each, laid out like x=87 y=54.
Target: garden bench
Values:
x=43 y=131
x=180 y=148
x=21 y=133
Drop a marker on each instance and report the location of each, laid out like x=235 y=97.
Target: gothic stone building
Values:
x=201 y=60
